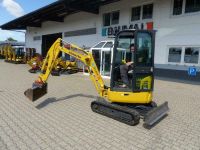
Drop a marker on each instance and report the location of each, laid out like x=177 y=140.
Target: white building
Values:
x=88 y=22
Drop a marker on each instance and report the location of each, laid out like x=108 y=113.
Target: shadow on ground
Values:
x=54 y=99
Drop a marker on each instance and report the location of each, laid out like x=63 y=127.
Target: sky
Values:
x=12 y=9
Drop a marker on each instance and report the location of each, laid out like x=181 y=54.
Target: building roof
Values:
x=56 y=11
x=13 y=43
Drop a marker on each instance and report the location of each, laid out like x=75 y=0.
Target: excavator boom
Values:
x=39 y=87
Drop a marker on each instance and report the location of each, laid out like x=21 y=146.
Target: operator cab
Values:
x=133 y=61
x=19 y=51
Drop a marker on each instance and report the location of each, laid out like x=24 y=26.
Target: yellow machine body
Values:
x=8 y=52
x=2 y=55
x=86 y=57
x=129 y=97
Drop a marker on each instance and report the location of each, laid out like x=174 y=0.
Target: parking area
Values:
x=62 y=119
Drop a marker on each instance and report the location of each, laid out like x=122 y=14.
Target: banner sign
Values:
x=110 y=31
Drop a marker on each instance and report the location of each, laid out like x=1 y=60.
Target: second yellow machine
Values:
x=128 y=103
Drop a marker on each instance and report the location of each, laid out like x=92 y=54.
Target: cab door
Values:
x=143 y=72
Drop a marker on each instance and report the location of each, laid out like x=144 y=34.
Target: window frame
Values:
x=104 y=14
x=183 y=13
x=180 y=47
x=111 y=16
x=189 y=12
x=173 y=8
x=183 y=47
x=141 y=12
x=198 y=55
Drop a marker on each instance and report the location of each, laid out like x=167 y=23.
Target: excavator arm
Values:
x=39 y=87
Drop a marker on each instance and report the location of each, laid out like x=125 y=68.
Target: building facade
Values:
x=176 y=23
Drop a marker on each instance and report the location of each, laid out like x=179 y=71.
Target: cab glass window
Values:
x=144 y=49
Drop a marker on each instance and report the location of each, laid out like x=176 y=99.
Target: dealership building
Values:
x=87 y=22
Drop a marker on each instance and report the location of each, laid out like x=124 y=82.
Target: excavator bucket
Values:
x=156 y=114
x=36 y=92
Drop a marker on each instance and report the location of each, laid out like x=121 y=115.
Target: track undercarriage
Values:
x=126 y=113
x=130 y=114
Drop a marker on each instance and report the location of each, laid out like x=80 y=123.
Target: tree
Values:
x=11 y=39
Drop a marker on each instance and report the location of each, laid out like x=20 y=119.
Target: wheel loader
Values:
x=125 y=104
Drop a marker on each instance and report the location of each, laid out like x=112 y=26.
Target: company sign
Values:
x=110 y=31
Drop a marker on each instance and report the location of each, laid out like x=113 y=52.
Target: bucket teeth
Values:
x=36 y=92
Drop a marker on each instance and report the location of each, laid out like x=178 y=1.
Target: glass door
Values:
x=144 y=62
x=106 y=63
x=96 y=53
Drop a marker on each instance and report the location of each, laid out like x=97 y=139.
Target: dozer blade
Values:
x=36 y=92
x=156 y=114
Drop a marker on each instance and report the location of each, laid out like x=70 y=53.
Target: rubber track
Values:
x=117 y=112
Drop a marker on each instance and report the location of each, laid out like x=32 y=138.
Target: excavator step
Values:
x=117 y=112
x=36 y=92
x=156 y=114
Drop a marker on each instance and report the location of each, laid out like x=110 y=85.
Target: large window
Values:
x=111 y=18
x=115 y=17
x=178 y=6
x=142 y=12
x=184 y=55
x=106 y=19
x=147 y=11
x=191 y=55
x=185 y=6
x=175 y=54
x=192 y=6
x=136 y=12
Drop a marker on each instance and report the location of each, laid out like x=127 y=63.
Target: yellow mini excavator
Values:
x=2 y=56
x=18 y=55
x=125 y=104
x=8 y=53
x=30 y=53
x=61 y=66
x=35 y=63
